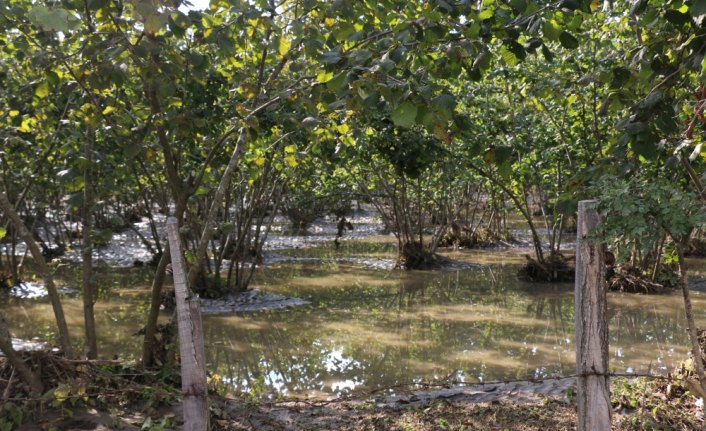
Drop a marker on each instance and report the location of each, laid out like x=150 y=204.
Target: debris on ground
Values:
x=106 y=395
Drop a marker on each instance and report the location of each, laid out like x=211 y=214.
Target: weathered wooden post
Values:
x=592 y=383
x=191 y=343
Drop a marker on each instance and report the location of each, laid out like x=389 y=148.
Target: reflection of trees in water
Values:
x=647 y=335
x=280 y=356
x=383 y=328
x=415 y=329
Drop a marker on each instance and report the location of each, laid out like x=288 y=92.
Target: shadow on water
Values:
x=369 y=328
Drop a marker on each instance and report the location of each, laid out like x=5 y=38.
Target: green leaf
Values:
x=567 y=40
x=291 y=161
x=547 y=53
x=620 y=76
x=517 y=49
x=343 y=30
x=42 y=90
x=52 y=18
x=486 y=14
x=154 y=22
x=518 y=5
x=330 y=57
x=645 y=148
x=337 y=82
x=570 y=4
x=180 y=20
x=3 y=232
x=405 y=114
x=475 y=74
x=97 y=4
x=53 y=78
x=676 y=17
x=508 y=56
x=284 y=45
x=324 y=76
x=445 y=101
x=202 y=191
x=533 y=44
x=698 y=8
x=551 y=29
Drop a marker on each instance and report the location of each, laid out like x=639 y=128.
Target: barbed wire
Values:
x=410 y=386
x=448 y=382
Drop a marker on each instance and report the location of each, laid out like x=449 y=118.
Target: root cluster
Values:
x=555 y=268
x=626 y=278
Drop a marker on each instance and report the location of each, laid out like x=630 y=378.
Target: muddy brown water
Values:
x=369 y=328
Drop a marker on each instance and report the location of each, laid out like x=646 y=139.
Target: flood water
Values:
x=370 y=328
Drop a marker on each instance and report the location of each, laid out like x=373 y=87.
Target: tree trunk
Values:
x=200 y=254
x=156 y=295
x=44 y=272
x=592 y=394
x=536 y=242
x=91 y=347
x=148 y=359
x=30 y=377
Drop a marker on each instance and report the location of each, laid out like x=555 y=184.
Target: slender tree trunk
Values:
x=207 y=233
x=29 y=376
x=91 y=347
x=44 y=272
x=536 y=242
x=148 y=359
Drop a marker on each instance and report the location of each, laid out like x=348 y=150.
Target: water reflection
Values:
x=120 y=310
x=369 y=328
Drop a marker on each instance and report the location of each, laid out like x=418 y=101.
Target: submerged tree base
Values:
x=556 y=268
x=414 y=255
x=629 y=279
x=479 y=238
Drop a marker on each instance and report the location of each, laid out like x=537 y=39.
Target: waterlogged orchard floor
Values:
x=368 y=329
x=369 y=332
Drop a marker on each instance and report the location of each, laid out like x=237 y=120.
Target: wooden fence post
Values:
x=592 y=383
x=191 y=343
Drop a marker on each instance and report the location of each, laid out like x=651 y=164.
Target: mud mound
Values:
x=627 y=278
x=479 y=238
x=556 y=268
